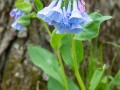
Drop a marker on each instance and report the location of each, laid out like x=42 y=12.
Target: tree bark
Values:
x=16 y=70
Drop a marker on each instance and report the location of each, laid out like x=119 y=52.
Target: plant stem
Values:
x=59 y=58
x=76 y=68
x=63 y=71
x=47 y=28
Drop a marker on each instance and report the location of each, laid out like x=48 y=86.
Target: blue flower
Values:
x=43 y=13
x=62 y=28
x=13 y=12
x=69 y=10
x=56 y=14
x=64 y=25
x=76 y=28
x=65 y=21
x=17 y=26
x=81 y=7
x=19 y=14
x=16 y=13
x=83 y=2
x=86 y=17
x=83 y=13
x=76 y=16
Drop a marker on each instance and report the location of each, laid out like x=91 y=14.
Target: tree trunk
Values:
x=16 y=70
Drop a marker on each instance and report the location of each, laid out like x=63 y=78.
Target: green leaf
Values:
x=25 y=20
x=56 y=40
x=38 y=4
x=55 y=85
x=91 y=30
x=103 y=84
x=66 y=50
x=96 y=78
x=18 y=1
x=46 y=61
x=115 y=81
x=24 y=6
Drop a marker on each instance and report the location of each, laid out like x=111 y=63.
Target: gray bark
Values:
x=16 y=70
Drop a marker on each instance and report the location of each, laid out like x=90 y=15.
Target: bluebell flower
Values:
x=76 y=16
x=13 y=12
x=83 y=13
x=56 y=14
x=76 y=28
x=64 y=25
x=70 y=20
x=17 y=26
x=86 y=17
x=43 y=13
x=83 y=2
x=16 y=13
x=81 y=7
x=19 y=14
x=69 y=10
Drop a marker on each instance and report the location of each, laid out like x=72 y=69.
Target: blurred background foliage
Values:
x=18 y=73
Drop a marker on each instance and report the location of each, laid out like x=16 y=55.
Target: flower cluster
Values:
x=16 y=13
x=66 y=19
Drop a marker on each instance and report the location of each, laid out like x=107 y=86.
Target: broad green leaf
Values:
x=55 y=85
x=66 y=50
x=103 y=84
x=56 y=40
x=18 y=1
x=25 y=20
x=24 y=6
x=46 y=61
x=91 y=30
x=38 y=4
x=96 y=78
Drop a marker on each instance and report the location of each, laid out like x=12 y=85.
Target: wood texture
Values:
x=16 y=70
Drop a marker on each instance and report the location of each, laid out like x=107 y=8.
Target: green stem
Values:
x=63 y=71
x=59 y=58
x=76 y=68
x=47 y=28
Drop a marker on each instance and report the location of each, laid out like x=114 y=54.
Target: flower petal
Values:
x=17 y=26
x=13 y=12
x=76 y=28
x=43 y=13
x=56 y=13
x=76 y=16
x=86 y=17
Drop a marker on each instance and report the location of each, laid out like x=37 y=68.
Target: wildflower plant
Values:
x=72 y=26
